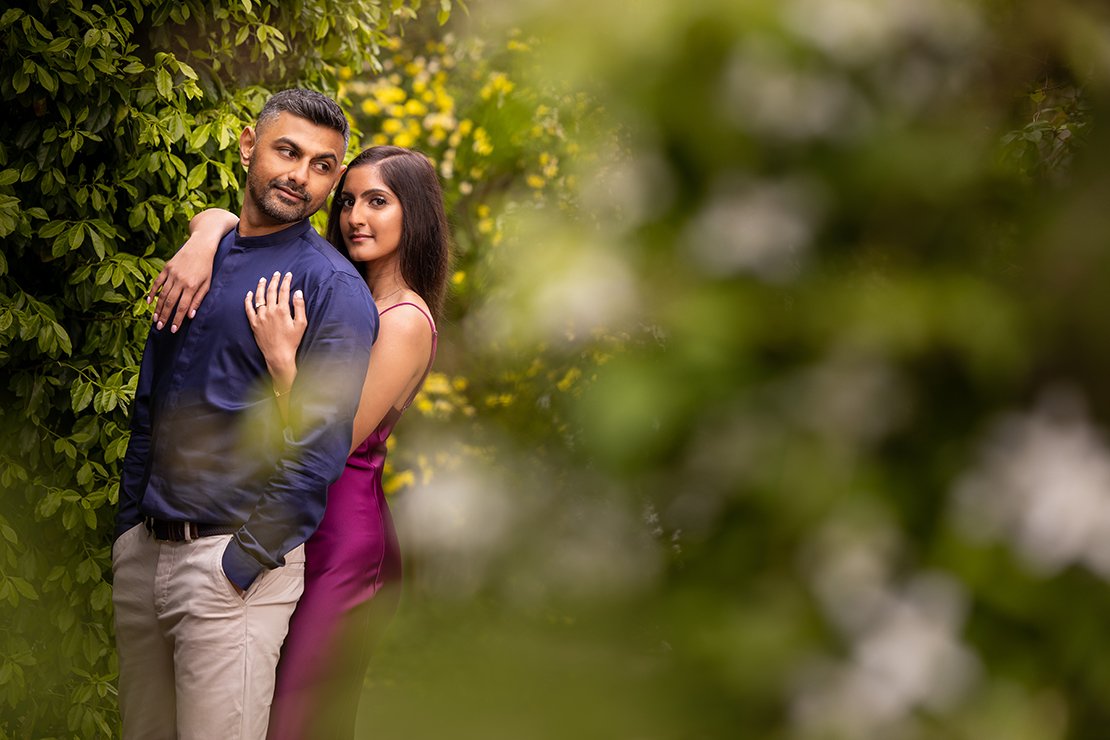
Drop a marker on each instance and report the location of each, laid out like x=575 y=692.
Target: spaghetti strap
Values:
x=418 y=308
x=435 y=342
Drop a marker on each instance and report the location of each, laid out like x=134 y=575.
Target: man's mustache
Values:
x=291 y=187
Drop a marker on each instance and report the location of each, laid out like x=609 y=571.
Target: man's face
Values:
x=292 y=165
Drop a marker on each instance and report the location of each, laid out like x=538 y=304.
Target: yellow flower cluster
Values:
x=499 y=85
x=443 y=397
x=411 y=102
x=451 y=99
x=569 y=378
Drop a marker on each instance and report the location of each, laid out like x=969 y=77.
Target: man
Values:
x=217 y=495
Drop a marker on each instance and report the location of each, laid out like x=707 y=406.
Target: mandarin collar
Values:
x=287 y=234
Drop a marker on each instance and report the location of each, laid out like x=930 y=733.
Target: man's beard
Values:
x=274 y=206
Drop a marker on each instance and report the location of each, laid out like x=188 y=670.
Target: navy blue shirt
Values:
x=208 y=444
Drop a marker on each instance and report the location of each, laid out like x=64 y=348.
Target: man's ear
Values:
x=246 y=146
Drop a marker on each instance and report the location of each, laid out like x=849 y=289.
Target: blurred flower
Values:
x=904 y=651
x=1043 y=484
x=851 y=398
x=631 y=190
x=767 y=92
x=856 y=31
x=456 y=524
x=760 y=227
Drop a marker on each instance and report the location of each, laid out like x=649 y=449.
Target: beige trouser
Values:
x=196 y=659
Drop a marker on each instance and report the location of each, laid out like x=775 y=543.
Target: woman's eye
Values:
x=346 y=201
x=378 y=201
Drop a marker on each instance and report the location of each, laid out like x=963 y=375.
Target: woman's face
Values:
x=371 y=216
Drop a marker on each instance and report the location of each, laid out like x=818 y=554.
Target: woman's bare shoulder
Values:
x=406 y=319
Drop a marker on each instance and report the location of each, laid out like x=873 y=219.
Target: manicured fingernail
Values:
x=298 y=294
x=148 y=299
x=173 y=328
x=155 y=317
x=160 y=325
x=288 y=274
x=277 y=274
x=192 y=313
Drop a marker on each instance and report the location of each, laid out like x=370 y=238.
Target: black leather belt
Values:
x=184 y=531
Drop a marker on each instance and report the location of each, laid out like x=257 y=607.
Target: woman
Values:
x=387 y=217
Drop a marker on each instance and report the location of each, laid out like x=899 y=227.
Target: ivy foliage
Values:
x=119 y=125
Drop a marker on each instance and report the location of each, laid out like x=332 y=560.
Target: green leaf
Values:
x=7 y=177
x=81 y=59
x=62 y=336
x=163 y=82
x=24 y=588
x=197 y=176
x=11 y=15
x=20 y=81
x=66 y=447
x=60 y=246
x=70 y=517
x=76 y=236
x=97 y=243
x=199 y=136
x=46 y=79
x=134 y=68
x=81 y=395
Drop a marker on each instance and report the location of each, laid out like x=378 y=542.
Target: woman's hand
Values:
x=277 y=331
x=183 y=282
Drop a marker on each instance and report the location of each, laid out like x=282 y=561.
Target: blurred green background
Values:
x=771 y=399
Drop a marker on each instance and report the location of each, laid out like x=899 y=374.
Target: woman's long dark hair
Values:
x=425 y=249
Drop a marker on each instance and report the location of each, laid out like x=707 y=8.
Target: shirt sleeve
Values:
x=135 y=469
x=331 y=368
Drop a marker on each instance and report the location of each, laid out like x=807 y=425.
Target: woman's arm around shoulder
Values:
x=397 y=364
x=183 y=282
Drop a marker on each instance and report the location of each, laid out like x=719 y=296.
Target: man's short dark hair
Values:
x=310 y=105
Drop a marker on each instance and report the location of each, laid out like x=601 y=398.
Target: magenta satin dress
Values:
x=352 y=579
